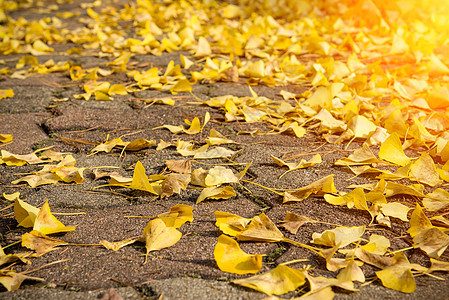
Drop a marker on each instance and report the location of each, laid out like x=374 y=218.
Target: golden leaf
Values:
x=46 y=223
x=40 y=243
x=279 y=280
x=230 y=258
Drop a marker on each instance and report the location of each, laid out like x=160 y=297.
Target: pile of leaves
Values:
x=376 y=73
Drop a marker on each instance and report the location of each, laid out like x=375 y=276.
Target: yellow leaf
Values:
x=424 y=170
x=317 y=188
x=203 y=48
x=418 y=222
x=378 y=244
x=279 y=280
x=183 y=85
x=216 y=138
x=391 y=151
x=432 y=241
x=159 y=236
x=396 y=210
x=46 y=223
x=140 y=180
x=438 y=97
x=115 y=246
x=41 y=46
x=117 y=89
x=292 y=222
x=229 y=223
x=361 y=126
x=12 y=280
x=340 y=236
x=436 y=200
x=361 y=156
x=6 y=93
x=398 y=276
x=25 y=213
x=261 y=229
x=177 y=215
x=179 y=166
x=219 y=175
x=5 y=138
x=185 y=62
x=230 y=258
x=9 y=258
x=174 y=183
x=19 y=160
x=139 y=144
x=218 y=152
x=40 y=243
x=225 y=192
x=351 y=272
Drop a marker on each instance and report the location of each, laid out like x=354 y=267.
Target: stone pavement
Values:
x=39 y=116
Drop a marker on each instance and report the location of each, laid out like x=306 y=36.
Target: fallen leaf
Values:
x=115 y=246
x=46 y=223
x=225 y=192
x=229 y=223
x=317 y=188
x=40 y=243
x=230 y=258
x=277 y=281
x=340 y=236
x=12 y=280
x=292 y=222
x=158 y=235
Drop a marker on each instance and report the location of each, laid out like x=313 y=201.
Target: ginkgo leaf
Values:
x=179 y=166
x=225 y=192
x=261 y=229
x=418 y=222
x=5 y=138
x=6 y=93
x=396 y=210
x=19 y=160
x=219 y=175
x=115 y=246
x=216 y=138
x=318 y=283
x=317 y=188
x=218 y=152
x=377 y=244
x=391 y=151
x=340 y=236
x=203 y=48
x=324 y=293
x=316 y=159
x=351 y=272
x=229 y=223
x=177 y=215
x=107 y=146
x=174 y=183
x=9 y=258
x=12 y=280
x=277 y=281
x=424 y=170
x=139 y=144
x=140 y=180
x=398 y=276
x=25 y=213
x=361 y=156
x=230 y=258
x=46 y=223
x=158 y=235
x=432 y=241
x=38 y=179
x=436 y=200
x=292 y=222
x=40 y=243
